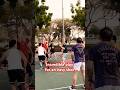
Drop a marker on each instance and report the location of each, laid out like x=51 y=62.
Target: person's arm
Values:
x=24 y=59
x=45 y=51
x=72 y=54
x=30 y=48
x=3 y=57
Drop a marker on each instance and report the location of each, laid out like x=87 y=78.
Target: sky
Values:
x=55 y=7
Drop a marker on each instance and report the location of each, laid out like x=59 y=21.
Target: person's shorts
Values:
x=41 y=58
x=16 y=75
x=108 y=87
x=78 y=66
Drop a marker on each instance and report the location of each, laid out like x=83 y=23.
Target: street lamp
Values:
x=63 y=29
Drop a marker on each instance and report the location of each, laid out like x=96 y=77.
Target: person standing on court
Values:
x=17 y=63
x=52 y=51
x=65 y=51
x=79 y=62
x=41 y=54
x=103 y=65
x=25 y=47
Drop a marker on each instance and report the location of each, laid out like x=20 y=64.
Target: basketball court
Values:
x=54 y=80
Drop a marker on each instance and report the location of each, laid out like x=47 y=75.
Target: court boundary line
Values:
x=64 y=87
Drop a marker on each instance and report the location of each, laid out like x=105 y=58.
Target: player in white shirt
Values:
x=41 y=54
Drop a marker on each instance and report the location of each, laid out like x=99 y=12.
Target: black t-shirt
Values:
x=106 y=60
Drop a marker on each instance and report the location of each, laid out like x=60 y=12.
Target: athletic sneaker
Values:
x=83 y=86
x=72 y=87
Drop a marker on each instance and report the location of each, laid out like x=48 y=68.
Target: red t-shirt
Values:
x=45 y=45
x=22 y=46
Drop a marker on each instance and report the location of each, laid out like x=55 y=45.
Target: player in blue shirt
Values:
x=78 y=62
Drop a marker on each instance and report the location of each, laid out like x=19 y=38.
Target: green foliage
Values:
x=78 y=15
x=67 y=24
x=43 y=30
x=27 y=9
x=42 y=18
x=21 y=11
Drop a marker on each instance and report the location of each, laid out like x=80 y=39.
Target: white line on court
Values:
x=63 y=87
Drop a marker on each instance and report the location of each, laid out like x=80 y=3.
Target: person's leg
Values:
x=30 y=74
x=21 y=80
x=76 y=68
x=40 y=60
x=74 y=78
x=40 y=63
x=13 y=86
x=63 y=57
x=12 y=78
x=82 y=70
x=44 y=61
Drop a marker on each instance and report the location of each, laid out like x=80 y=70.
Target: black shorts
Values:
x=41 y=58
x=16 y=75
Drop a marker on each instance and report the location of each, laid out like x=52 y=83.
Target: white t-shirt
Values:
x=14 y=59
x=41 y=51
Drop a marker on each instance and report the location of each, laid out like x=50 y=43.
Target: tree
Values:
x=93 y=7
x=14 y=8
x=94 y=30
x=78 y=15
x=42 y=18
x=112 y=4
x=58 y=30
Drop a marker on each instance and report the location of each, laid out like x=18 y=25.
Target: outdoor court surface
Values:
x=54 y=80
x=4 y=81
x=4 y=84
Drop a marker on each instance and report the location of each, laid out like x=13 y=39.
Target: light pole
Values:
x=63 y=29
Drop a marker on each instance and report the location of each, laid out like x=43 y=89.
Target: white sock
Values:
x=41 y=64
